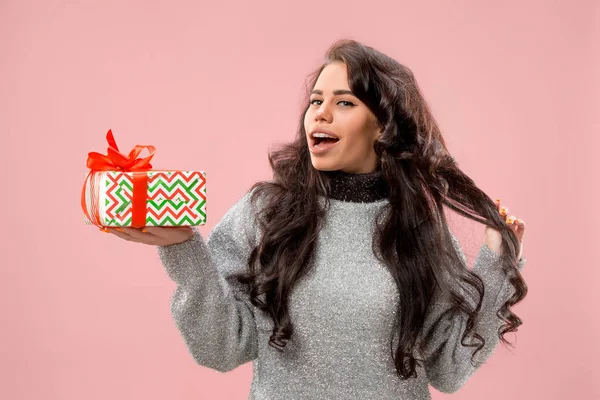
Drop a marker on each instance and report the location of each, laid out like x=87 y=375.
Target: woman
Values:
x=340 y=277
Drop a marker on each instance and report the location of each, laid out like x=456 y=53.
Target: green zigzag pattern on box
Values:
x=175 y=198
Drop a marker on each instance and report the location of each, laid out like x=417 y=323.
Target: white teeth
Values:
x=323 y=135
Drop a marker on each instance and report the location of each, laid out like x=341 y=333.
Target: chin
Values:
x=324 y=166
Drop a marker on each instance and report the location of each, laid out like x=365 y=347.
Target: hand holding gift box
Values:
x=123 y=191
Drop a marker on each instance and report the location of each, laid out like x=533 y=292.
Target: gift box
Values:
x=122 y=190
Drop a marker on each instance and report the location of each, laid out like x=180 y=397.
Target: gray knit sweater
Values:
x=343 y=313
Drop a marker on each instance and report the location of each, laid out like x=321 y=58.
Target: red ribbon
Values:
x=117 y=161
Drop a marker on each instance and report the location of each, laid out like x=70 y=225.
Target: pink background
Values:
x=85 y=315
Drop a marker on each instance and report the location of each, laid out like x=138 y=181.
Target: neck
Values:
x=357 y=188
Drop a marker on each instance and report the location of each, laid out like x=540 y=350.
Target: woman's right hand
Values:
x=154 y=235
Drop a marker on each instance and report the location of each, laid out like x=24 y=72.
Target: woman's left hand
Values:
x=493 y=239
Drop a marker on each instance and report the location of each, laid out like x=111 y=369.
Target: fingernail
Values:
x=503 y=211
x=497 y=200
x=104 y=229
x=510 y=220
x=144 y=230
x=120 y=229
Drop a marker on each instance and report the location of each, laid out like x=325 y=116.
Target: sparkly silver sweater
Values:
x=343 y=311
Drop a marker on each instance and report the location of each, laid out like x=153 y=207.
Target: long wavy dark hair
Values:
x=411 y=237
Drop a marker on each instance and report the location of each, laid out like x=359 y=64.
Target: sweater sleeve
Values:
x=211 y=310
x=447 y=361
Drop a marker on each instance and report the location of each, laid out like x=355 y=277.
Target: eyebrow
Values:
x=335 y=92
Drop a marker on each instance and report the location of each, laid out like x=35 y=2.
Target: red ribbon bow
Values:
x=115 y=160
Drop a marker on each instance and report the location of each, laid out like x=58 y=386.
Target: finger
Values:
x=504 y=212
x=521 y=227
x=511 y=224
x=497 y=202
x=517 y=226
x=138 y=233
x=175 y=233
x=142 y=235
x=135 y=235
x=517 y=223
x=511 y=220
x=122 y=234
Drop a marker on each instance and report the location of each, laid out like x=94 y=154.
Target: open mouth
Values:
x=322 y=145
x=319 y=140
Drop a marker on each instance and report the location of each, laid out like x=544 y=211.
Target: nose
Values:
x=323 y=113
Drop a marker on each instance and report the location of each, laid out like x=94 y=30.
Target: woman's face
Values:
x=335 y=111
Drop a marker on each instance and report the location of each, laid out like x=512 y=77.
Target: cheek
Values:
x=307 y=119
x=357 y=143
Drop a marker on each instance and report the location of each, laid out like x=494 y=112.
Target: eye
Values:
x=347 y=103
